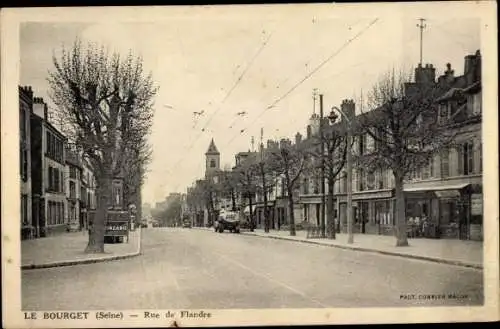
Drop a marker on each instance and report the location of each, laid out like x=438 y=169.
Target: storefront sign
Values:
x=476 y=204
x=448 y=194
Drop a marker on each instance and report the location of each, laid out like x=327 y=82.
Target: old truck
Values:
x=227 y=220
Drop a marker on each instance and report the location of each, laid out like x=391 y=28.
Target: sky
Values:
x=234 y=59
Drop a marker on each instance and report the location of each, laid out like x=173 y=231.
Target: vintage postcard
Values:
x=242 y=165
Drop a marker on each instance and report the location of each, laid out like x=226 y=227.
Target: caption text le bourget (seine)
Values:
x=115 y=315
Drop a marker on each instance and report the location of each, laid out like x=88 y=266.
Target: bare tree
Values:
x=100 y=97
x=334 y=160
x=264 y=172
x=245 y=175
x=289 y=162
x=228 y=186
x=405 y=131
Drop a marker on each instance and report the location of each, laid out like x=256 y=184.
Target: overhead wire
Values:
x=307 y=76
x=238 y=81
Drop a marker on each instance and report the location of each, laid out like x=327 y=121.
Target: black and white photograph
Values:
x=238 y=165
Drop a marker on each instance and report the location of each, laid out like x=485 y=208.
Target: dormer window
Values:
x=444 y=112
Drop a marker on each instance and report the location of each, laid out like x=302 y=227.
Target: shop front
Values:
x=260 y=214
x=455 y=210
x=372 y=212
x=311 y=209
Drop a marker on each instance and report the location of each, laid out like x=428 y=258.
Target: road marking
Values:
x=284 y=285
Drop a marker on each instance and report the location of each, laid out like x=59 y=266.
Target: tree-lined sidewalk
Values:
x=68 y=249
x=447 y=251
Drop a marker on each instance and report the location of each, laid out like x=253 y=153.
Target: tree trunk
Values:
x=250 y=205
x=233 y=200
x=400 y=219
x=96 y=230
x=330 y=205
x=264 y=188
x=138 y=204
x=292 y=215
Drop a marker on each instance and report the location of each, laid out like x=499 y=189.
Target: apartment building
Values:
x=25 y=109
x=448 y=191
x=73 y=187
x=47 y=172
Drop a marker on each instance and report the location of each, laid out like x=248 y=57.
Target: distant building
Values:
x=212 y=174
x=48 y=166
x=25 y=109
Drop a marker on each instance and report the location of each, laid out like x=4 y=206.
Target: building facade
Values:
x=213 y=175
x=87 y=193
x=73 y=187
x=447 y=192
x=48 y=167
x=25 y=109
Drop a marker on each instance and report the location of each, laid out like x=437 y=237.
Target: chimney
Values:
x=40 y=108
x=269 y=143
x=348 y=108
x=309 y=132
x=472 y=68
x=298 y=138
x=425 y=74
x=449 y=73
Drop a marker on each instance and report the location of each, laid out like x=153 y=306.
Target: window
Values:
x=474 y=104
x=344 y=182
x=370 y=143
x=362 y=144
x=72 y=190
x=56 y=180
x=444 y=113
x=361 y=180
x=370 y=180
x=466 y=158
x=306 y=186
x=22 y=123
x=445 y=167
x=72 y=172
x=481 y=157
x=49 y=213
x=212 y=163
x=381 y=183
x=316 y=185
x=62 y=213
x=47 y=142
x=24 y=210
x=24 y=162
x=428 y=169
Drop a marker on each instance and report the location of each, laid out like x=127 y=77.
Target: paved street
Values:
x=189 y=268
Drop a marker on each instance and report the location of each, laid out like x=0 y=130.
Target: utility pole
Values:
x=264 y=185
x=349 y=106
x=321 y=133
x=421 y=26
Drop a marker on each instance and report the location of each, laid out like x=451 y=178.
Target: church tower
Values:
x=212 y=160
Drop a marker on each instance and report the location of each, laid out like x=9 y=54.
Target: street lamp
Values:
x=350 y=238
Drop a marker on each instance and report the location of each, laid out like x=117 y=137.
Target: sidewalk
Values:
x=67 y=249
x=447 y=251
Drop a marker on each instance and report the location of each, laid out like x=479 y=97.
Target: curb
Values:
x=383 y=252
x=86 y=261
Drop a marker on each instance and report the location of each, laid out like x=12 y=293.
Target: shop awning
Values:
x=435 y=187
x=246 y=211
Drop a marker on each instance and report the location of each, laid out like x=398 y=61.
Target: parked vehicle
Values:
x=186 y=224
x=227 y=220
